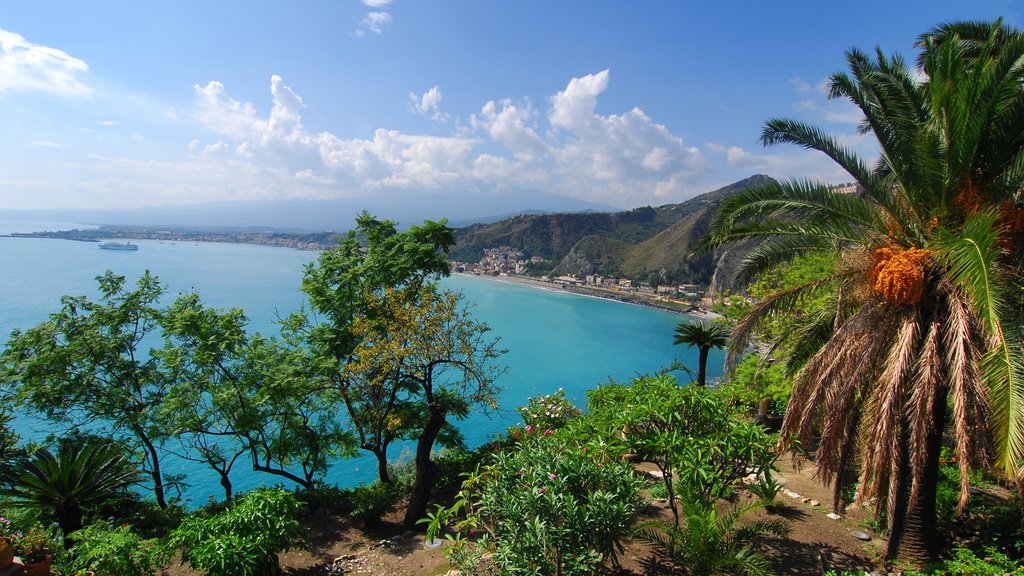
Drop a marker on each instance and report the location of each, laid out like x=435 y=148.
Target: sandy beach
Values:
x=603 y=293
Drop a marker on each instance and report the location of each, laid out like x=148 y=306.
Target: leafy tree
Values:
x=87 y=363
x=83 y=472
x=236 y=394
x=926 y=248
x=704 y=336
x=687 y=432
x=372 y=289
x=434 y=360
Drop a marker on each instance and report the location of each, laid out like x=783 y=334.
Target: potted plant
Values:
x=34 y=549
x=7 y=535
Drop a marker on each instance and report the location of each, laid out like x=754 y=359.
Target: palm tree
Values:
x=704 y=337
x=83 y=472
x=927 y=245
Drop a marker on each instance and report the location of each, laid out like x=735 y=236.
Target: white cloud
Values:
x=136 y=137
x=28 y=67
x=428 y=104
x=573 y=108
x=376 y=3
x=621 y=159
x=374 y=22
x=799 y=84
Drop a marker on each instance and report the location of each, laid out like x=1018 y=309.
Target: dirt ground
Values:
x=817 y=542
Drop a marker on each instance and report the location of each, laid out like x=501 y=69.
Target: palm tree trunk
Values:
x=702 y=366
x=914 y=538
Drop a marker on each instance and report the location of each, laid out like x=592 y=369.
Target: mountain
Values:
x=644 y=243
x=407 y=207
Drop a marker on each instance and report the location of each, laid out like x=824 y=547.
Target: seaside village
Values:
x=510 y=262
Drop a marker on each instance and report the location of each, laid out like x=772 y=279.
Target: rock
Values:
x=814 y=503
x=860 y=535
x=791 y=494
x=833 y=516
x=805 y=500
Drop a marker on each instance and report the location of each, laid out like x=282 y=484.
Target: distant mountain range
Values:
x=643 y=243
x=406 y=207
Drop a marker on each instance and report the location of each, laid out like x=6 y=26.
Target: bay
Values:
x=554 y=339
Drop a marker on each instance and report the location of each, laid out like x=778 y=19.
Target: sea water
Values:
x=553 y=339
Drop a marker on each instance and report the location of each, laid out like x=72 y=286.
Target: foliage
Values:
x=704 y=336
x=34 y=544
x=83 y=472
x=766 y=489
x=994 y=563
x=709 y=542
x=549 y=411
x=547 y=506
x=753 y=380
x=239 y=395
x=87 y=364
x=689 y=433
x=105 y=549
x=10 y=451
x=927 y=245
x=244 y=539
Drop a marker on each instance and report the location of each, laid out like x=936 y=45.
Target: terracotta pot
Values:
x=40 y=568
x=6 y=552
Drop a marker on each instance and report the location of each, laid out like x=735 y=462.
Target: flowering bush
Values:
x=7 y=529
x=548 y=507
x=549 y=412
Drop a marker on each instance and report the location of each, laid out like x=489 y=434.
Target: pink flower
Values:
x=552 y=475
x=529 y=428
x=547 y=432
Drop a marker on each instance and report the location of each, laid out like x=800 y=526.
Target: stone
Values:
x=860 y=535
x=833 y=516
x=814 y=503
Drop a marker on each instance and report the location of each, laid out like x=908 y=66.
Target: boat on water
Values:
x=119 y=246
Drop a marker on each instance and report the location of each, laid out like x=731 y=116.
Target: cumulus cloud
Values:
x=428 y=104
x=28 y=67
x=376 y=3
x=568 y=148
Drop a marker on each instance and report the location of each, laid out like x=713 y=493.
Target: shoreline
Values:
x=602 y=293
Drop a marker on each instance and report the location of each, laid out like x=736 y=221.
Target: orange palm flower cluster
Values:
x=898 y=273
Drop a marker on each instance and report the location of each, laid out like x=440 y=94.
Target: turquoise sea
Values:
x=553 y=339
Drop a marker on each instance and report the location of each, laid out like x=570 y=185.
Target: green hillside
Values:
x=649 y=244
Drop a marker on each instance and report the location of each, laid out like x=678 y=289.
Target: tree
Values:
x=83 y=472
x=926 y=248
x=236 y=394
x=434 y=360
x=87 y=363
x=341 y=285
x=704 y=336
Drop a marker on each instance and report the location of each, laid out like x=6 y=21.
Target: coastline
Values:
x=602 y=293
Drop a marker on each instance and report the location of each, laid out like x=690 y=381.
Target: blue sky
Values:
x=107 y=104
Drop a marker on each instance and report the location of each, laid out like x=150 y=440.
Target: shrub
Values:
x=549 y=412
x=548 y=507
x=108 y=550
x=244 y=539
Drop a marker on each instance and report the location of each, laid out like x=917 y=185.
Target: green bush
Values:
x=107 y=550
x=549 y=507
x=244 y=539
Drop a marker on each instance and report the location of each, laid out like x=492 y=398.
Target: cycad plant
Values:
x=711 y=542
x=83 y=472
x=918 y=335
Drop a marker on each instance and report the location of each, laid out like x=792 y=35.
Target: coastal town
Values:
x=510 y=264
